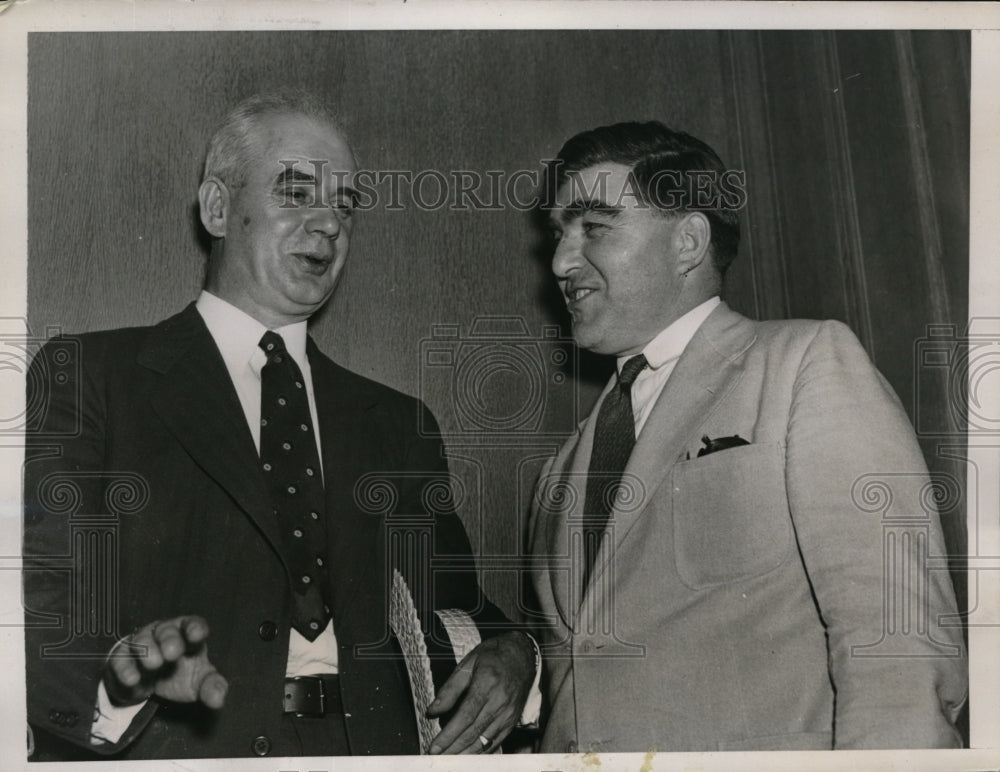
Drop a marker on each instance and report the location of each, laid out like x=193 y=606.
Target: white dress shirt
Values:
x=662 y=353
x=237 y=336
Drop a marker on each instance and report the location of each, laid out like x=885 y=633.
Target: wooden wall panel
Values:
x=859 y=142
x=855 y=145
x=757 y=283
x=888 y=204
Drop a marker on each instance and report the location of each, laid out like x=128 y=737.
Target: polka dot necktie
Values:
x=291 y=467
x=614 y=438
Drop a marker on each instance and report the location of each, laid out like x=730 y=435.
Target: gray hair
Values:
x=232 y=147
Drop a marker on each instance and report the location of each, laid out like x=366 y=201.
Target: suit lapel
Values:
x=708 y=369
x=561 y=500
x=345 y=425
x=196 y=400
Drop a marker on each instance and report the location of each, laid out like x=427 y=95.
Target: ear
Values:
x=213 y=201
x=693 y=237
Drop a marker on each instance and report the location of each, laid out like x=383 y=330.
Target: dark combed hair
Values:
x=671 y=171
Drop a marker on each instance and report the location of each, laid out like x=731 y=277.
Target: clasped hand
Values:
x=495 y=679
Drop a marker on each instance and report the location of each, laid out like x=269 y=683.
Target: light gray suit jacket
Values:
x=785 y=594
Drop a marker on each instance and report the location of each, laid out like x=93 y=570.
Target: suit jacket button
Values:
x=571 y=746
x=55 y=716
x=267 y=631
x=261 y=746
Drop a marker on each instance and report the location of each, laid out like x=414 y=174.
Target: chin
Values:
x=591 y=335
x=589 y=343
x=311 y=295
x=597 y=345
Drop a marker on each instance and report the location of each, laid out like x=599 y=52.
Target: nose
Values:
x=567 y=256
x=324 y=221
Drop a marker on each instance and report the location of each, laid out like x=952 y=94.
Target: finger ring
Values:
x=485 y=741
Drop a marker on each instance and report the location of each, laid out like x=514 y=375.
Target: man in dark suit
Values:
x=733 y=546
x=220 y=488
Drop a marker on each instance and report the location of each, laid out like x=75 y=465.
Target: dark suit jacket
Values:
x=777 y=595
x=144 y=499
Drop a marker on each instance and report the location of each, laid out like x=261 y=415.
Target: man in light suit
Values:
x=732 y=580
x=153 y=503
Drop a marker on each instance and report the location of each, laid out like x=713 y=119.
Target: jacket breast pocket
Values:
x=730 y=515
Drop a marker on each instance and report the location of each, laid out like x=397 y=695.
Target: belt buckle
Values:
x=308 y=697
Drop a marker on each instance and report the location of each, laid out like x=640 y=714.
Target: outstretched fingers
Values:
x=168 y=658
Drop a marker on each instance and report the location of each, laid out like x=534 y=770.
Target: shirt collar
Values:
x=670 y=343
x=237 y=334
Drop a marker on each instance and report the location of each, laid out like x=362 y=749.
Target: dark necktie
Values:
x=614 y=438
x=291 y=467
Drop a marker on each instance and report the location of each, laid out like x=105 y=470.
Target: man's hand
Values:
x=495 y=678
x=168 y=659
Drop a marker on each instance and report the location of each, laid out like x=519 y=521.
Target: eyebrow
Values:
x=579 y=207
x=292 y=176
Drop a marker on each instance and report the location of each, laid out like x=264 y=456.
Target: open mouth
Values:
x=575 y=295
x=314 y=261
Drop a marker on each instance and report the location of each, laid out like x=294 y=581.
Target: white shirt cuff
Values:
x=111 y=721
x=532 y=710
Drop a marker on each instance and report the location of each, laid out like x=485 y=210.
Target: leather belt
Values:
x=313 y=695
